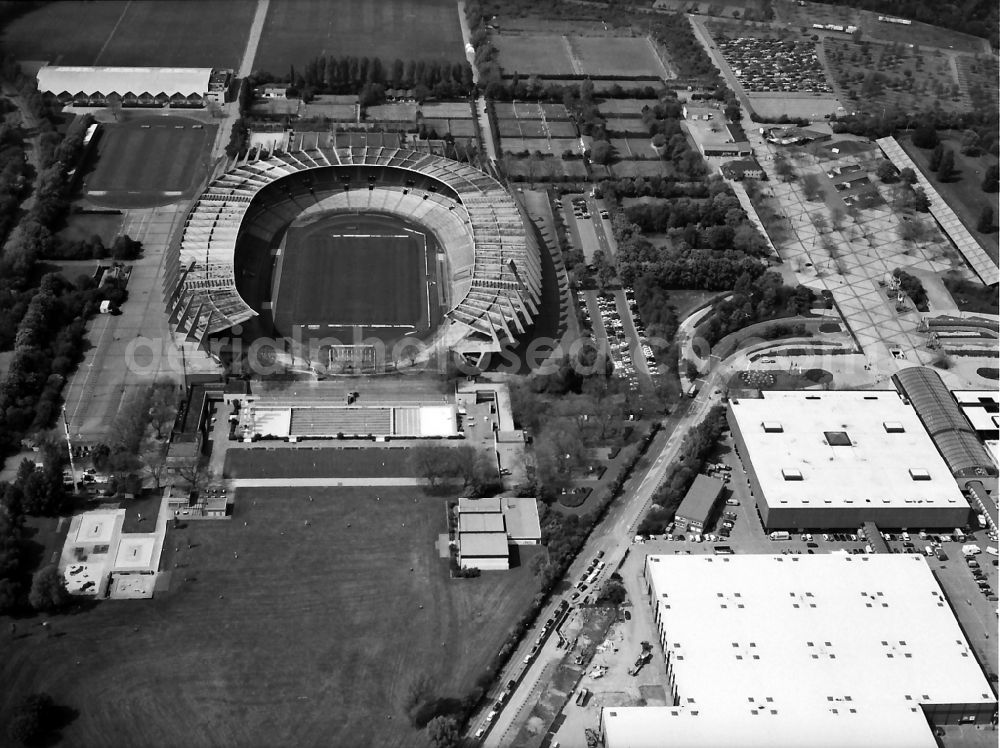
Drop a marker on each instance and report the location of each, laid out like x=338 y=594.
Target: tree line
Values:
x=695 y=449
x=370 y=77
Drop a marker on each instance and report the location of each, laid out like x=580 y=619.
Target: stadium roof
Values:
x=521 y=515
x=495 y=299
x=482 y=544
x=700 y=498
x=776 y=651
x=57 y=79
x=973 y=252
x=842 y=448
x=480 y=522
x=943 y=419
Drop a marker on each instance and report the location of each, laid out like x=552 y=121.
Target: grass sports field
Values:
x=298 y=30
x=148 y=161
x=116 y=32
x=350 y=271
x=349 y=462
x=311 y=636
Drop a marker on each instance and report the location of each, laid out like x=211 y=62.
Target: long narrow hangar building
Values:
x=133 y=86
x=490 y=272
x=830 y=651
x=838 y=459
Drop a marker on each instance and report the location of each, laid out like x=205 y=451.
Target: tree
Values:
x=163 y=409
x=985 y=222
x=431 y=463
x=443 y=732
x=908 y=175
x=991 y=179
x=195 y=472
x=115 y=105
x=886 y=172
x=600 y=151
x=810 y=186
x=48 y=590
x=970 y=143
x=154 y=460
x=936 y=155
x=947 y=166
x=921 y=203
x=925 y=136
x=31 y=719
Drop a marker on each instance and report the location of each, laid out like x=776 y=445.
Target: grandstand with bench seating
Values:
x=493 y=273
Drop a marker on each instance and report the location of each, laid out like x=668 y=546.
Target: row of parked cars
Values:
x=640 y=328
x=618 y=344
x=547 y=628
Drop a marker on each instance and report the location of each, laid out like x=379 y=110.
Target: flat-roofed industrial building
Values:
x=837 y=459
x=775 y=651
x=695 y=511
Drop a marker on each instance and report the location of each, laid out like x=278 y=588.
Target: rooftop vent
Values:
x=919 y=474
x=893 y=427
x=772 y=427
x=837 y=438
x=791 y=474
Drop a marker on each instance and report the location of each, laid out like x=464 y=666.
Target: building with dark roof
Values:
x=951 y=431
x=696 y=509
x=743 y=168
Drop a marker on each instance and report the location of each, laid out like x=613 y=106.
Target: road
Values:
x=613 y=536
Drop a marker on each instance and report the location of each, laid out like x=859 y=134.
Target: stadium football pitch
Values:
x=351 y=271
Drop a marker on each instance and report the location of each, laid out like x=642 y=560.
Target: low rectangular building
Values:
x=982 y=408
x=521 y=518
x=484 y=550
x=696 y=509
x=774 y=651
x=837 y=459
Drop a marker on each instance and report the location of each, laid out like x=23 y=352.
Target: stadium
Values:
x=355 y=253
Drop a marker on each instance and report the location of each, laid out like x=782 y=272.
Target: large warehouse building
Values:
x=837 y=459
x=803 y=652
x=133 y=86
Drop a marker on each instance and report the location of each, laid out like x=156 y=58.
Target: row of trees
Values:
x=48 y=345
x=371 y=76
x=473 y=467
x=695 y=450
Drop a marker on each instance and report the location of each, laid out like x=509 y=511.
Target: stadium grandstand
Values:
x=492 y=272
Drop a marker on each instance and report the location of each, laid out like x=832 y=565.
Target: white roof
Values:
x=884 y=438
x=438 y=420
x=521 y=515
x=56 y=79
x=773 y=650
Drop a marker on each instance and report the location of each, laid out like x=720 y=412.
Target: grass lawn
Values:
x=972 y=297
x=963 y=192
x=138 y=161
x=296 y=31
x=321 y=462
x=533 y=53
x=114 y=32
x=311 y=636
